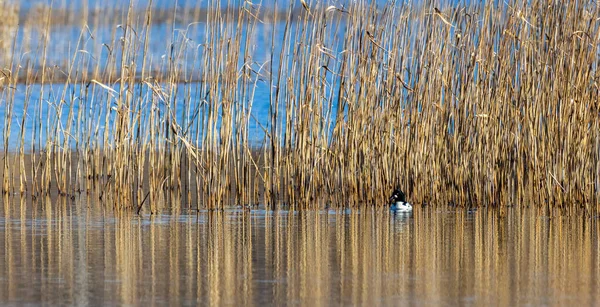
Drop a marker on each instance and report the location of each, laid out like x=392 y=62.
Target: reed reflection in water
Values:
x=73 y=252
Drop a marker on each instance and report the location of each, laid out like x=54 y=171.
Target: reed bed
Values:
x=473 y=104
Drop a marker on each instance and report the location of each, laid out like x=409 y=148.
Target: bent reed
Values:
x=474 y=104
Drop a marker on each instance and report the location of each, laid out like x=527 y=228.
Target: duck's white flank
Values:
x=401 y=207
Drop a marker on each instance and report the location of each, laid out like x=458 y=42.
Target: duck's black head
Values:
x=397 y=196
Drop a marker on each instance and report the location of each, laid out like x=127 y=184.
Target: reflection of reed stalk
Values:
x=478 y=105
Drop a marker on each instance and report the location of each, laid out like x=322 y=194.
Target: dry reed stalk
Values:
x=479 y=104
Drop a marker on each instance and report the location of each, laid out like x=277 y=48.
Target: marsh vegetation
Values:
x=492 y=104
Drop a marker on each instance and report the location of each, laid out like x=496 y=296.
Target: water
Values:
x=78 y=252
x=85 y=48
x=73 y=48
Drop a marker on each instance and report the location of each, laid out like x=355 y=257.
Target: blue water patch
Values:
x=260 y=94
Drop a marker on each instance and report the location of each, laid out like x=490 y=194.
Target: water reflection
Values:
x=74 y=252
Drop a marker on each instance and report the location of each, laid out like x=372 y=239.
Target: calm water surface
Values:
x=77 y=252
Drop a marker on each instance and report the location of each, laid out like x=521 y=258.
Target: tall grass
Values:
x=466 y=104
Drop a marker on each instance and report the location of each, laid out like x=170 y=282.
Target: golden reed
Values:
x=484 y=104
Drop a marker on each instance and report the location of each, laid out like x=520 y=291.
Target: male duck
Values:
x=398 y=202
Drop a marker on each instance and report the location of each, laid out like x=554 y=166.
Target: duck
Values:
x=398 y=202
